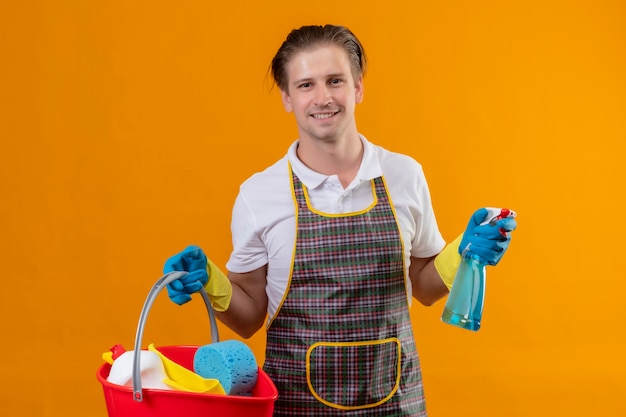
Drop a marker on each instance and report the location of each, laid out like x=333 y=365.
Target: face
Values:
x=322 y=93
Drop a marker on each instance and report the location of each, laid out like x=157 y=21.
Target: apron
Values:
x=341 y=343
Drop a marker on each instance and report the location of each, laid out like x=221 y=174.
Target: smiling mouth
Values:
x=322 y=116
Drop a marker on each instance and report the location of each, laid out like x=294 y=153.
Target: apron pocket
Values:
x=354 y=375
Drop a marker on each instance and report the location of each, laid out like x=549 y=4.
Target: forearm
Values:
x=427 y=285
x=248 y=306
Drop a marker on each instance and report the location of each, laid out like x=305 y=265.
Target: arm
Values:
x=428 y=287
x=248 y=305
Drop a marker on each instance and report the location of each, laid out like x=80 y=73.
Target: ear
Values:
x=286 y=101
x=358 y=90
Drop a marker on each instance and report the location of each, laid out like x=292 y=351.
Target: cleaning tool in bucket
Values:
x=152 y=370
x=231 y=362
x=135 y=401
x=179 y=377
x=157 y=371
x=464 y=307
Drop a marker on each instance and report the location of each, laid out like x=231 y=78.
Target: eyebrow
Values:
x=308 y=79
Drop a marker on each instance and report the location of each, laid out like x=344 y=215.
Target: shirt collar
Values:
x=370 y=166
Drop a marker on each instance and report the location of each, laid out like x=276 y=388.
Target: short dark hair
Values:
x=309 y=37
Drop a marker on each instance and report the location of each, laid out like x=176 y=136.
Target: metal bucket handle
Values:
x=156 y=289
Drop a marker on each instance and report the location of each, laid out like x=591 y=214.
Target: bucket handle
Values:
x=156 y=289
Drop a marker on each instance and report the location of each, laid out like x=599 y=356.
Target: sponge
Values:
x=231 y=362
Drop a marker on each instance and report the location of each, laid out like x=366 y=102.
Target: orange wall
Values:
x=127 y=127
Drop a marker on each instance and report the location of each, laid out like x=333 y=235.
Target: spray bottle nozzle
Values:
x=495 y=214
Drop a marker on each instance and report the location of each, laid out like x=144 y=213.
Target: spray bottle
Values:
x=464 y=307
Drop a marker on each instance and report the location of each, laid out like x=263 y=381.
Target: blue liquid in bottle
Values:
x=464 y=307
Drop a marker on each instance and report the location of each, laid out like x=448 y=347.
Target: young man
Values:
x=332 y=242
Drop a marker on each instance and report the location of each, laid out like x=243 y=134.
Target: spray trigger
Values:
x=494 y=214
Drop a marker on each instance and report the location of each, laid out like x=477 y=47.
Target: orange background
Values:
x=127 y=127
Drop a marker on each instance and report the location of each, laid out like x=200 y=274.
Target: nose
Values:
x=323 y=96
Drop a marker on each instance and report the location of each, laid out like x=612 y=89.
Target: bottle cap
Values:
x=117 y=350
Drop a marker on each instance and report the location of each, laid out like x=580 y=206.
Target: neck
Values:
x=341 y=158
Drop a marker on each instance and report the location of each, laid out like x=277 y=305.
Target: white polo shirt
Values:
x=264 y=226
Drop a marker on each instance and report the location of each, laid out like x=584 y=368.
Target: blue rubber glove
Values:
x=194 y=261
x=486 y=242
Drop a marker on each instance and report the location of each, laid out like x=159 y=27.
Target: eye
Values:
x=304 y=85
x=335 y=81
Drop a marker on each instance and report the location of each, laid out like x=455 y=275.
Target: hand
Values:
x=486 y=242
x=194 y=261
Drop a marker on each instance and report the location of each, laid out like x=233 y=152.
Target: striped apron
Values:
x=341 y=343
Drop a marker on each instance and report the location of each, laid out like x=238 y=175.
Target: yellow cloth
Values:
x=218 y=288
x=183 y=379
x=108 y=357
x=448 y=261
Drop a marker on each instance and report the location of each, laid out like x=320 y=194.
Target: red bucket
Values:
x=126 y=401
x=157 y=403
